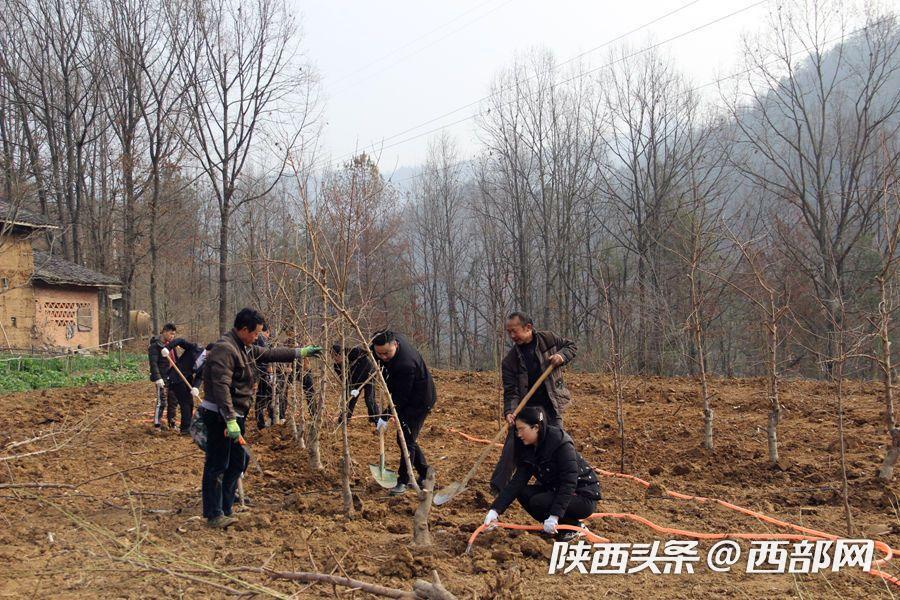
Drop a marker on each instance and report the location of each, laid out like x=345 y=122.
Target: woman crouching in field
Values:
x=567 y=488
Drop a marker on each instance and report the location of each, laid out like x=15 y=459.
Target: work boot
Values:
x=398 y=490
x=221 y=522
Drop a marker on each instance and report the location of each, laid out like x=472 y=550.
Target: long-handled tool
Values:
x=384 y=476
x=166 y=354
x=454 y=489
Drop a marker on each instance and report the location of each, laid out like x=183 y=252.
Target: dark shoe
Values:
x=158 y=425
x=567 y=535
x=398 y=490
x=221 y=522
x=184 y=432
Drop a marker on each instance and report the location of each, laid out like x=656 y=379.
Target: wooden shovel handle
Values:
x=533 y=389
x=177 y=370
x=505 y=428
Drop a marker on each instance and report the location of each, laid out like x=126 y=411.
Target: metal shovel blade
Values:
x=448 y=493
x=385 y=477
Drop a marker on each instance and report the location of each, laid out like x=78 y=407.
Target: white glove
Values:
x=381 y=425
x=164 y=352
x=550 y=524
x=195 y=392
x=160 y=383
x=354 y=393
x=491 y=518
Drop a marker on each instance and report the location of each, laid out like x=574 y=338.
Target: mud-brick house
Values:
x=45 y=302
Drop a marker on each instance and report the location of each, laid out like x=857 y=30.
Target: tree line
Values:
x=737 y=228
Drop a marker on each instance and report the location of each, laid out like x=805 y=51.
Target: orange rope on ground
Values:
x=808 y=534
x=473 y=438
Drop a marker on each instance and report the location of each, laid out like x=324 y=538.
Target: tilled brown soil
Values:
x=129 y=526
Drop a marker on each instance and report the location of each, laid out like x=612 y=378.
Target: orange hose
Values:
x=810 y=534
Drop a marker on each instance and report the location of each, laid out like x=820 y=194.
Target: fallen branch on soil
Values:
x=422 y=590
x=213 y=584
x=72 y=434
x=144 y=466
x=35 y=484
x=134 y=555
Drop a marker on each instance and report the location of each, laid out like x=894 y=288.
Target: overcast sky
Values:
x=387 y=67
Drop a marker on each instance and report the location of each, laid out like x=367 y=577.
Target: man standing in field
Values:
x=159 y=372
x=229 y=378
x=412 y=390
x=532 y=352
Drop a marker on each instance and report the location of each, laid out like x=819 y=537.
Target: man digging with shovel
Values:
x=532 y=353
x=412 y=390
x=229 y=376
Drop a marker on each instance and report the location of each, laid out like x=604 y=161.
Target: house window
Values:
x=61 y=314
x=4 y=283
x=13 y=319
x=84 y=316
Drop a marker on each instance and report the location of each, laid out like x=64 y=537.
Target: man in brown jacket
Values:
x=229 y=378
x=532 y=352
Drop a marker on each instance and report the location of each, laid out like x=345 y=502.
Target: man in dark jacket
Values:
x=229 y=378
x=412 y=390
x=531 y=354
x=359 y=378
x=177 y=387
x=159 y=372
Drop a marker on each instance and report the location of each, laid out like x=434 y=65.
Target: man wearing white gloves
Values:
x=185 y=393
x=229 y=378
x=160 y=371
x=359 y=378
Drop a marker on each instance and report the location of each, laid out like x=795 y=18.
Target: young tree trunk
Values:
x=154 y=250
x=845 y=492
x=886 y=471
x=346 y=491
x=225 y=216
x=775 y=411
x=701 y=362
x=421 y=534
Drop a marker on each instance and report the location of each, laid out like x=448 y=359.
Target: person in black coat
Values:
x=412 y=390
x=359 y=378
x=567 y=488
x=185 y=363
x=160 y=371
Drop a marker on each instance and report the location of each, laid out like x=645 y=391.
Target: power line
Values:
x=410 y=43
x=619 y=37
x=683 y=93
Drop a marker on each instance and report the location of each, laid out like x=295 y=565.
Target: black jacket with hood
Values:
x=557 y=466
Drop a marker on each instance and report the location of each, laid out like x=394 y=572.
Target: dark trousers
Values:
x=165 y=399
x=506 y=466
x=412 y=426
x=225 y=461
x=537 y=500
x=264 y=404
x=182 y=394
